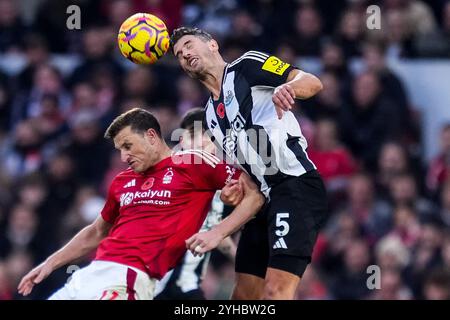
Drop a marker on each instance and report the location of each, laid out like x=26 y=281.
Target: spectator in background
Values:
x=189 y=94
x=50 y=121
x=425 y=256
x=47 y=80
x=406 y=226
x=327 y=103
x=392 y=161
x=391 y=86
x=141 y=83
x=350 y=32
x=86 y=143
x=438 y=170
x=391 y=287
x=370 y=120
x=22 y=151
x=404 y=191
x=12 y=28
x=246 y=31
x=211 y=15
x=97 y=54
x=107 y=88
x=334 y=61
x=32 y=191
x=374 y=216
x=37 y=54
x=436 y=42
x=399 y=36
x=391 y=253
x=61 y=185
x=20 y=233
x=437 y=285
x=308 y=31
x=350 y=281
x=117 y=11
x=334 y=162
x=341 y=230
x=418 y=15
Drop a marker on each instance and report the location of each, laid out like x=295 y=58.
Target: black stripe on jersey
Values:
x=293 y=144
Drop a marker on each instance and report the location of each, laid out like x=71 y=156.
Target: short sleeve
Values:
x=110 y=210
x=210 y=174
x=260 y=69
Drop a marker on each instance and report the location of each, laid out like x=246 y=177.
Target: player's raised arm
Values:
x=251 y=203
x=81 y=244
x=299 y=85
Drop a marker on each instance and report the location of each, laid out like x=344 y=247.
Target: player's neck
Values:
x=213 y=80
x=165 y=152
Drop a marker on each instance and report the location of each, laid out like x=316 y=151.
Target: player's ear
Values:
x=151 y=135
x=213 y=45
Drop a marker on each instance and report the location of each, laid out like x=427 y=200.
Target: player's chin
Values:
x=136 y=168
x=194 y=74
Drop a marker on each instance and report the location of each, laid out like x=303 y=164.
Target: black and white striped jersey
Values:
x=244 y=124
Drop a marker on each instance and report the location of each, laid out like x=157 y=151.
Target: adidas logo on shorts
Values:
x=280 y=244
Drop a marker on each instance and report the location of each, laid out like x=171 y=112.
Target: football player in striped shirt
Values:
x=249 y=117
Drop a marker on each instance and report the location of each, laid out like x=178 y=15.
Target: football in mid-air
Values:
x=143 y=38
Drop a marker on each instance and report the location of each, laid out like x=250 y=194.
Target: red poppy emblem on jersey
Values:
x=148 y=184
x=221 y=110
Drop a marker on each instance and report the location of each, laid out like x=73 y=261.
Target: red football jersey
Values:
x=153 y=213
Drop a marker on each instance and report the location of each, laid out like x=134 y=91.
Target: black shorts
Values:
x=283 y=233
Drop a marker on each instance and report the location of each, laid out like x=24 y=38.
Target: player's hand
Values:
x=283 y=99
x=232 y=193
x=33 y=277
x=203 y=242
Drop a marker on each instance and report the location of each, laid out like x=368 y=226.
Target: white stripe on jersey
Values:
x=209 y=158
x=261 y=57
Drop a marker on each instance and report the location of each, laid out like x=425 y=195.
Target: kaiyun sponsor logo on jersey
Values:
x=127 y=198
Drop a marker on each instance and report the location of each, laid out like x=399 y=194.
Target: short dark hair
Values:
x=177 y=34
x=140 y=120
x=191 y=116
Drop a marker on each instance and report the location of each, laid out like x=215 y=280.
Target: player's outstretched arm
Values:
x=81 y=244
x=252 y=201
x=299 y=85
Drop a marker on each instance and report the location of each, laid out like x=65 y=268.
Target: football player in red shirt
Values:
x=150 y=211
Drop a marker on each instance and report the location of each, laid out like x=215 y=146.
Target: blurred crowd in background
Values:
x=389 y=207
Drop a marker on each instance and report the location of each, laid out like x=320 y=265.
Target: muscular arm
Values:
x=252 y=201
x=81 y=244
x=305 y=85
